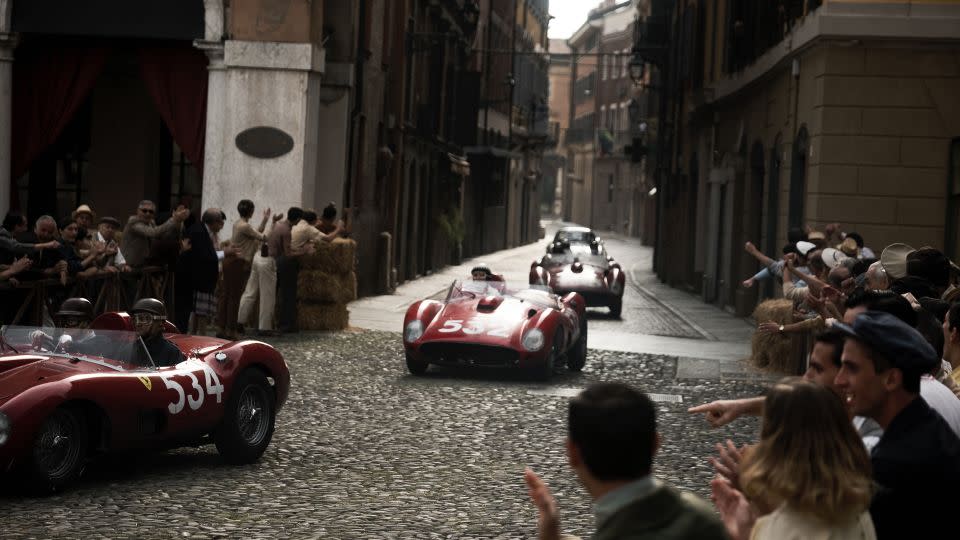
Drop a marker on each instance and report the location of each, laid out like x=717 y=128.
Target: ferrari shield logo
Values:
x=146 y=382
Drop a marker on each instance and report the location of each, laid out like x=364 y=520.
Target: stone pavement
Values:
x=708 y=341
x=364 y=450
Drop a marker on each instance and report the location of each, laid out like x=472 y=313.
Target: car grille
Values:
x=470 y=354
x=592 y=298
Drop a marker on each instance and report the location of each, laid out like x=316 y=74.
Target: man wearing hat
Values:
x=85 y=218
x=916 y=464
x=112 y=260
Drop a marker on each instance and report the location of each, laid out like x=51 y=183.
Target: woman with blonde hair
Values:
x=809 y=474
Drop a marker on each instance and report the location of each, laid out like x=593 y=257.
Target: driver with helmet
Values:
x=74 y=313
x=148 y=317
x=481 y=272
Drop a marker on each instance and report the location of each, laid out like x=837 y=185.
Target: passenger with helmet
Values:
x=74 y=313
x=148 y=317
x=481 y=272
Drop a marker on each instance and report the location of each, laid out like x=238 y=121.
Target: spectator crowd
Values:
x=860 y=440
x=210 y=281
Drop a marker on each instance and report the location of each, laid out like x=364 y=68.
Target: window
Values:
x=603 y=116
x=610 y=190
x=603 y=60
x=953 y=201
x=185 y=180
x=625 y=62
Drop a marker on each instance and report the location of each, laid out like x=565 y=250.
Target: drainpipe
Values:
x=357 y=113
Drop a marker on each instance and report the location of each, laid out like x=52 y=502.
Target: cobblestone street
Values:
x=364 y=450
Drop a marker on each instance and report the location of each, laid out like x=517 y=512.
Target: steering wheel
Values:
x=41 y=342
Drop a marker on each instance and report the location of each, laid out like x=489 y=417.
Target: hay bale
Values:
x=772 y=351
x=320 y=287
x=322 y=316
x=335 y=257
x=778 y=310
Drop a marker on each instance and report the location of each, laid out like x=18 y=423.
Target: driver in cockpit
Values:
x=75 y=313
x=481 y=272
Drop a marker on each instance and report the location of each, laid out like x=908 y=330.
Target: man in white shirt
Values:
x=113 y=260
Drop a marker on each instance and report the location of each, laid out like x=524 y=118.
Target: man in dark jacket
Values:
x=916 y=464
x=198 y=270
x=148 y=317
x=612 y=440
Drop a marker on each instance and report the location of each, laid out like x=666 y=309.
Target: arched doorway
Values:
x=752 y=224
x=773 y=208
x=798 y=178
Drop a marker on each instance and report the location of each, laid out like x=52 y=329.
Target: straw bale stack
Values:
x=322 y=316
x=772 y=351
x=326 y=284
x=335 y=257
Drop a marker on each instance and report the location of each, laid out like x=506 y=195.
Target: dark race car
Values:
x=584 y=269
x=68 y=394
x=480 y=323
x=568 y=237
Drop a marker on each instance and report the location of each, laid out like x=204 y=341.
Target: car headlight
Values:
x=532 y=340
x=413 y=331
x=4 y=428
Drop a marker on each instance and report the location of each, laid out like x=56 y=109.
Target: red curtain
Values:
x=49 y=84
x=176 y=78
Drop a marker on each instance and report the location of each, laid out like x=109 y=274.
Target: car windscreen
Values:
x=540 y=297
x=473 y=288
x=575 y=236
x=117 y=349
x=569 y=258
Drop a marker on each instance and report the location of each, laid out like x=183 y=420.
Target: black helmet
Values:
x=76 y=307
x=149 y=305
x=482 y=267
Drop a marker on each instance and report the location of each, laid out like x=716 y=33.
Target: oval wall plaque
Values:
x=264 y=142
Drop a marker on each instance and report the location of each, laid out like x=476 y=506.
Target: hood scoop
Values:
x=489 y=303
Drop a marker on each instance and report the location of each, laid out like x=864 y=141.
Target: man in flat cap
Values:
x=916 y=464
x=112 y=259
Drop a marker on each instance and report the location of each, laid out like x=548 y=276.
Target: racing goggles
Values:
x=71 y=322
x=146 y=318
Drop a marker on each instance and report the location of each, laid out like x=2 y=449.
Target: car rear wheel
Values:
x=616 y=307
x=577 y=357
x=247 y=425
x=416 y=367
x=58 y=452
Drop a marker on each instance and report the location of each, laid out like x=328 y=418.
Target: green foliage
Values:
x=452 y=225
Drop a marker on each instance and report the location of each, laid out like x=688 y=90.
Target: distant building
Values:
x=780 y=114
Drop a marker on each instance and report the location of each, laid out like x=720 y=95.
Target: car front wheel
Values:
x=247 y=425
x=58 y=452
x=416 y=367
x=577 y=357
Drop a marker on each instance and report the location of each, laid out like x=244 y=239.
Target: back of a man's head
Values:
x=12 y=220
x=930 y=264
x=294 y=214
x=886 y=301
x=614 y=426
